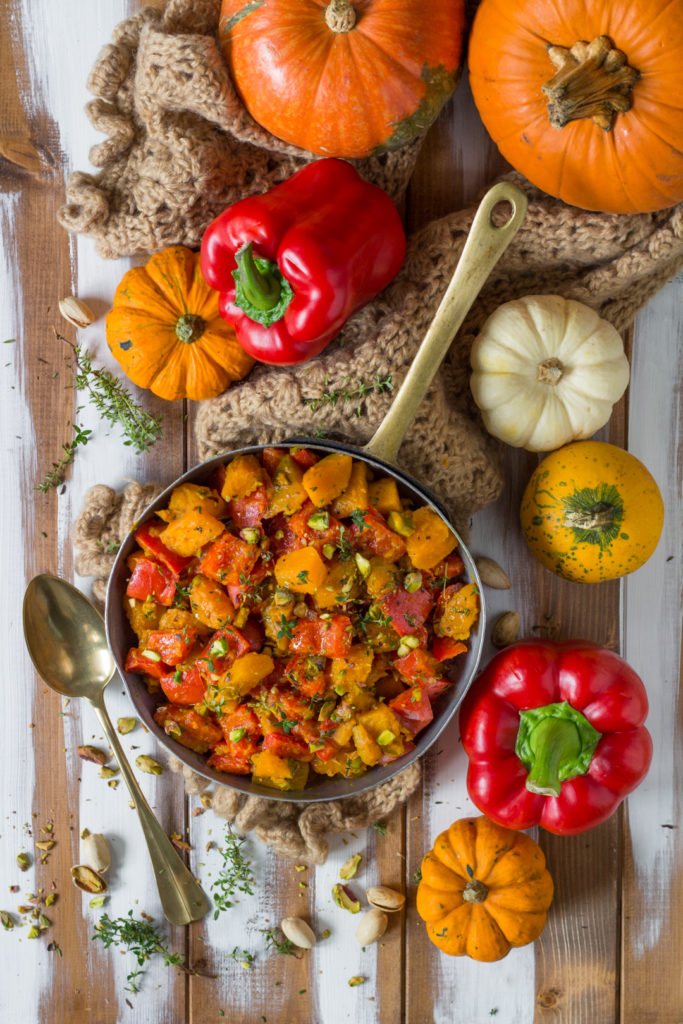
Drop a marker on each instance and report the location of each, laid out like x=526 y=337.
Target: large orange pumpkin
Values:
x=585 y=99
x=343 y=77
x=167 y=334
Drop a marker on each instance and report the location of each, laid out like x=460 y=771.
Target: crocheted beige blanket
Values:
x=180 y=148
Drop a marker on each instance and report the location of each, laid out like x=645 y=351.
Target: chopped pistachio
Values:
x=364 y=567
x=349 y=869
x=151 y=655
x=97 y=901
x=386 y=737
x=44 y=922
x=412 y=581
x=299 y=867
x=326 y=934
x=345 y=899
x=329 y=550
x=93 y=754
x=107 y=773
x=148 y=765
x=50 y=899
x=357 y=979
x=319 y=521
x=33 y=932
x=126 y=725
x=46 y=844
x=401 y=523
x=113 y=783
x=23 y=861
x=6 y=920
x=251 y=534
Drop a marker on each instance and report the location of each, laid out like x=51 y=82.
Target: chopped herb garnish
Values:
x=234 y=875
x=350 y=394
x=380 y=827
x=280 y=945
x=140 y=938
x=286 y=627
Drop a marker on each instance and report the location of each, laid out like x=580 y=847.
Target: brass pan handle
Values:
x=485 y=245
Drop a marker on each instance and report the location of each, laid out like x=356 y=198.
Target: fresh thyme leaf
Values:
x=110 y=548
x=139 y=937
x=56 y=475
x=114 y=402
x=243 y=957
x=286 y=627
x=234 y=875
x=273 y=941
x=358 y=517
x=350 y=393
x=344 y=546
x=286 y=723
x=380 y=827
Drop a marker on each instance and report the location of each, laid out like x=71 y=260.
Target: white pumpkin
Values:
x=547 y=370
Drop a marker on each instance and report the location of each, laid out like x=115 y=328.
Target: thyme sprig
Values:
x=234 y=875
x=55 y=476
x=139 y=937
x=331 y=396
x=114 y=402
x=273 y=941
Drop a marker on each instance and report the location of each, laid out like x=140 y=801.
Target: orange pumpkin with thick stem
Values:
x=484 y=889
x=585 y=99
x=343 y=77
x=166 y=332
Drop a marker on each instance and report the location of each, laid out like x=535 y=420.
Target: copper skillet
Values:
x=484 y=246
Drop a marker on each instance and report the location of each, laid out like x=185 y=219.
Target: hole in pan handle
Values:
x=485 y=244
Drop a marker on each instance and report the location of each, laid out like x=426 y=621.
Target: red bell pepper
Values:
x=329 y=637
x=188 y=727
x=149 y=541
x=151 y=580
x=555 y=736
x=407 y=611
x=184 y=686
x=413 y=709
x=173 y=646
x=293 y=264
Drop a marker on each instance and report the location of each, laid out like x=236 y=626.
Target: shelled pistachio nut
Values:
x=298 y=931
x=384 y=898
x=95 y=851
x=76 y=311
x=371 y=926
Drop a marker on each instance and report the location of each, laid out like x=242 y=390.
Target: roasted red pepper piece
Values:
x=228 y=559
x=449 y=569
x=229 y=757
x=245 y=590
x=149 y=579
x=184 y=686
x=249 y=511
x=413 y=709
x=331 y=637
x=173 y=646
x=293 y=264
x=224 y=647
x=420 y=668
x=283 y=744
x=148 y=540
x=304 y=457
x=189 y=728
x=371 y=536
x=309 y=537
x=555 y=736
x=444 y=648
x=137 y=662
x=407 y=611
x=307 y=675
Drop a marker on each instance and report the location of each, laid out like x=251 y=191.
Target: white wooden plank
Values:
x=651 y=619
x=24 y=961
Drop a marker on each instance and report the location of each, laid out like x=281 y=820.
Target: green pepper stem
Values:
x=555 y=743
x=261 y=288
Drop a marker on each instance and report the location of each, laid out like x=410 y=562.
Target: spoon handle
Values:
x=182 y=898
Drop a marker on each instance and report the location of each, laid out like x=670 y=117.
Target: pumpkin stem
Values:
x=340 y=16
x=593 y=80
x=555 y=743
x=189 y=327
x=260 y=288
x=475 y=891
x=550 y=371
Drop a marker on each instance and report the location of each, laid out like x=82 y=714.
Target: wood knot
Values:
x=549 y=999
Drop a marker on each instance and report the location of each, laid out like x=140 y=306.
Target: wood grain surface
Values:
x=611 y=951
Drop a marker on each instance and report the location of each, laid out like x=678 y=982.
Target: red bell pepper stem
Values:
x=555 y=742
x=261 y=287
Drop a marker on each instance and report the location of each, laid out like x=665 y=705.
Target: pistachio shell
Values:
x=76 y=312
x=95 y=850
x=88 y=880
x=298 y=931
x=505 y=629
x=371 y=926
x=491 y=574
x=384 y=898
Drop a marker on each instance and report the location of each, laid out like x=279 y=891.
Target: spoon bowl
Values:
x=67 y=642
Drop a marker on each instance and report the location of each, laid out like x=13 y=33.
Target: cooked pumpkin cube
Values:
x=297 y=780
x=268 y=765
x=289 y=492
x=459 y=611
x=326 y=479
x=301 y=571
x=144 y=616
x=382 y=579
x=247 y=672
x=244 y=474
x=188 y=534
x=355 y=494
x=383 y=495
x=342 y=734
x=431 y=541
x=351 y=672
x=209 y=603
x=368 y=749
x=193 y=496
x=341 y=584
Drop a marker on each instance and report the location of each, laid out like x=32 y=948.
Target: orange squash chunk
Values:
x=326 y=480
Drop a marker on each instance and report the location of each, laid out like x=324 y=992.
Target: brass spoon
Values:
x=65 y=637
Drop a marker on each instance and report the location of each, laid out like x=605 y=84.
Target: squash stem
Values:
x=340 y=16
x=189 y=327
x=555 y=743
x=475 y=891
x=593 y=80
